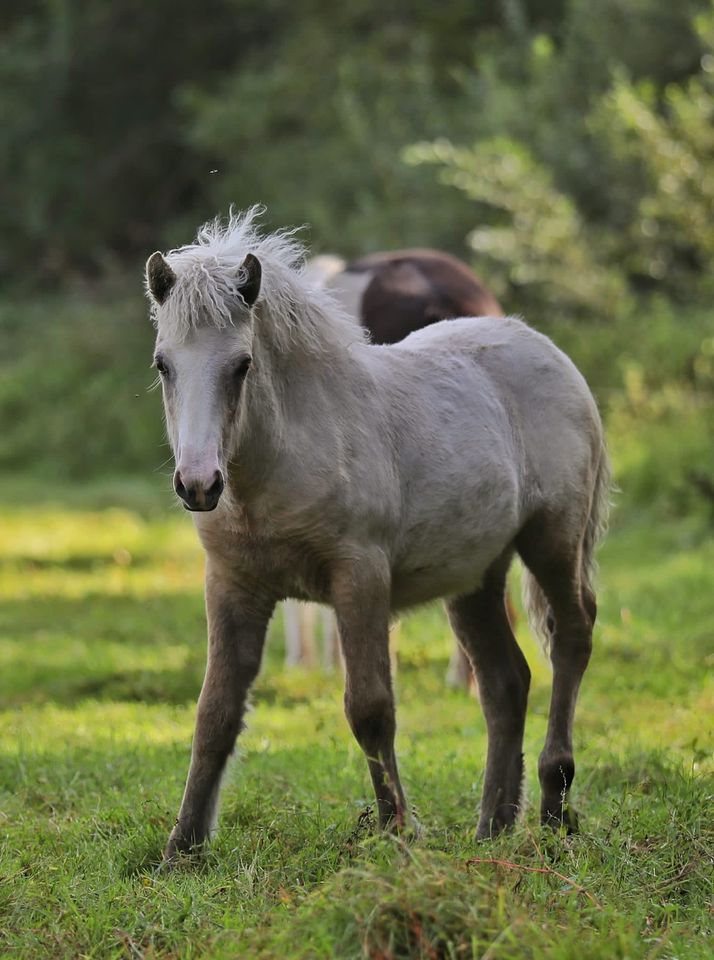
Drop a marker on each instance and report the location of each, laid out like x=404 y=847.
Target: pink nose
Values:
x=199 y=494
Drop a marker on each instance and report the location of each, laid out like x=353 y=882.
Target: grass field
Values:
x=101 y=658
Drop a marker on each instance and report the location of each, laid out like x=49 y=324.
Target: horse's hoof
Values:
x=181 y=848
x=491 y=828
x=171 y=856
x=567 y=821
x=402 y=824
x=407 y=828
x=414 y=830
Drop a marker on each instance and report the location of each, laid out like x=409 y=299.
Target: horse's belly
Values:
x=423 y=578
x=422 y=586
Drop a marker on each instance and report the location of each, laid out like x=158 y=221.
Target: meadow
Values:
x=565 y=151
x=101 y=657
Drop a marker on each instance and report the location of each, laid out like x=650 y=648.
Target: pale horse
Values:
x=374 y=479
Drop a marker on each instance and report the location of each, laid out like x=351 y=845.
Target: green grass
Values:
x=101 y=658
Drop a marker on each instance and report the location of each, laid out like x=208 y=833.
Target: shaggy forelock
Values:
x=210 y=274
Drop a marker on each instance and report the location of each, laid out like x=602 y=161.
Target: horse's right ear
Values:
x=160 y=278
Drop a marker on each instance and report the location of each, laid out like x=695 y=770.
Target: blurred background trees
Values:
x=565 y=148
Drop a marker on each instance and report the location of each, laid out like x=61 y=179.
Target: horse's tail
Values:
x=596 y=526
x=534 y=600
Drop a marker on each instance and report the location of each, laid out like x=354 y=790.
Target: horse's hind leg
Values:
x=481 y=624
x=572 y=608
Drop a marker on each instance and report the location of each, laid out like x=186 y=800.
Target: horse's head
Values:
x=203 y=352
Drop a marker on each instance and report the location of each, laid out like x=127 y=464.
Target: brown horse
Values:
x=410 y=289
x=393 y=294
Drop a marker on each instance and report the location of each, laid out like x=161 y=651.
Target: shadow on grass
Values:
x=112 y=648
x=77 y=563
x=123 y=648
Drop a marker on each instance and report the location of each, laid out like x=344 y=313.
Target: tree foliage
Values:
x=93 y=161
x=595 y=179
x=126 y=123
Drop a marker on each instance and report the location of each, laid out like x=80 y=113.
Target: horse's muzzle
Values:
x=196 y=495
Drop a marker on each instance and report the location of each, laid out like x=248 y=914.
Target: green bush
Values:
x=74 y=375
x=536 y=251
x=588 y=186
x=662 y=440
x=668 y=141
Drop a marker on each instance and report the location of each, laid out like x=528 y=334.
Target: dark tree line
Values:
x=125 y=123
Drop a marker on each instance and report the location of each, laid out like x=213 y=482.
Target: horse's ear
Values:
x=252 y=272
x=160 y=278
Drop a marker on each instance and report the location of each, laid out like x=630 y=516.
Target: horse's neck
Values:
x=288 y=387
x=260 y=427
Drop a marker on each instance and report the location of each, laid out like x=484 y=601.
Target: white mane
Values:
x=209 y=276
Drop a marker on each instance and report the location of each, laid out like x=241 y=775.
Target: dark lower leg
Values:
x=573 y=614
x=361 y=601
x=369 y=705
x=235 y=648
x=218 y=723
x=556 y=566
x=482 y=626
x=374 y=728
x=556 y=767
x=503 y=779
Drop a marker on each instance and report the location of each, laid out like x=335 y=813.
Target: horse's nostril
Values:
x=195 y=495
x=179 y=486
x=216 y=488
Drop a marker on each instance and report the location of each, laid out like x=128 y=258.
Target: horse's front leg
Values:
x=237 y=624
x=361 y=592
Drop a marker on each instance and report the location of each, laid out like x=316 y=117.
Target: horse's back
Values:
x=498 y=400
x=515 y=359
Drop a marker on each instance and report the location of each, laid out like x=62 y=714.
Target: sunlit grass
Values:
x=102 y=641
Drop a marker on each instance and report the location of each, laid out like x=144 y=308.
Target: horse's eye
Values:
x=160 y=365
x=242 y=368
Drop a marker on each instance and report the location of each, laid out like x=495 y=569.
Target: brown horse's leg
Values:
x=481 y=624
x=571 y=620
x=237 y=625
x=361 y=601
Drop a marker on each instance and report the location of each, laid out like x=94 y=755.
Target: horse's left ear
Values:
x=160 y=278
x=252 y=272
